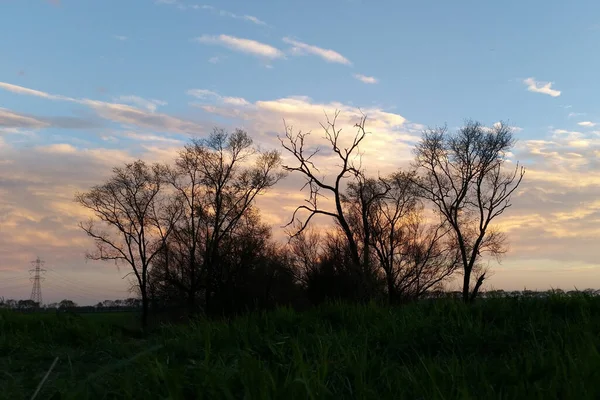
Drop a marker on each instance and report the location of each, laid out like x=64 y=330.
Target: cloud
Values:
x=207 y=94
x=214 y=60
x=119 y=37
x=587 y=124
x=151 y=138
x=38 y=216
x=300 y=48
x=13 y=120
x=556 y=212
x=150 y=105
x=220 y=12
x=541 y=87
x=574 y=114
x=366 y=79
x=31 y=92
x=555 y=216
x=202 y=93
x=224 y=13
x=59 y=148
x=389 y=142
x=117 y=112
x=252 y=19
x=247 y=46
x=154 y=121
x=555 y=219
x=236 y=101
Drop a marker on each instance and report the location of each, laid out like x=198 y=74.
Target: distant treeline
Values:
x=130 y=304
x=135 y=305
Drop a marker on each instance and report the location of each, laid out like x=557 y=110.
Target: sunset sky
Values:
x=88 y=85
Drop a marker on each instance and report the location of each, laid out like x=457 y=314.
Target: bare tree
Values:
x=386 y=215
x=128 y=205
x=464 y=176
x=349 y=167
x=217 y=180
x=305 y=248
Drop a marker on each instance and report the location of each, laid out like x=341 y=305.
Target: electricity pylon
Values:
x=36 y=290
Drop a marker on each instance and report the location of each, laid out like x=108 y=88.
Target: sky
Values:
x=89 y=85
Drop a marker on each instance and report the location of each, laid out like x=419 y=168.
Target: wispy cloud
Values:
x=248 y=46
x=366 y=79
x=588 y=124
x=150 y=138
x=392 y=130
x=575 y=114
x=253 y=19
x=300 y=48
x=202 y=93
x=116 y=112
x=205 y=7
x=120 y=37
x=11 y=119
x=150 y=104
x=214 y=60
x=229 y=14
x=541 y=87
x=207 y=94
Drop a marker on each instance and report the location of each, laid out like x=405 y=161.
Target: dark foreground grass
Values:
x=496 y=349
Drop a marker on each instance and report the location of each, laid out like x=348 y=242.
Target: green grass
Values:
x=496 y=349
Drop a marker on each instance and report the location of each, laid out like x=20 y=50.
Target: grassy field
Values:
x=497 y=349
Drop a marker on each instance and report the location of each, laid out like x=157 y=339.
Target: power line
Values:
x=74 y=289
x=73 y=283
x=72 y=296
x=12 y=278
x=36 y=290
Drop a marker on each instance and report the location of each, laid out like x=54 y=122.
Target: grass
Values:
x=504 y=348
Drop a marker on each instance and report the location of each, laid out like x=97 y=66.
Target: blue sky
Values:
x=121 y=79
x=460 y=59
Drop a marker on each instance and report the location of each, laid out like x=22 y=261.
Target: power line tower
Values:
x=36 y=290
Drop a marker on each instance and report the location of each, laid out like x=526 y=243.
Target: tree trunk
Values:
x=191 y=300
x=477 y=287
x=466 y=282
x=144 y=309
x=391 y=288
x=208 y=298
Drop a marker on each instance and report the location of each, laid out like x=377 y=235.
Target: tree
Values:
x=348 y=168
x=335 y=275
x=66 y=304
x=129 y=205
x=108 y=303
x=217 y=181
x=27 y=304
x=388 y=215
x=11 y=303
x=255 y=272
x=305 y=248
x=464 y=176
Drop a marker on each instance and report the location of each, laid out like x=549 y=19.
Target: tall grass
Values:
x=502 y=348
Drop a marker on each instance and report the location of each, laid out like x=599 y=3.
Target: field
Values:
x=499 y=348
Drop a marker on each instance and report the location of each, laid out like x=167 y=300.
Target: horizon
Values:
x=79 y=96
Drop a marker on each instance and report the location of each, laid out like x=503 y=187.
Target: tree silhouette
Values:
x=349 y=167
x=129 y=204
x=464 y=176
